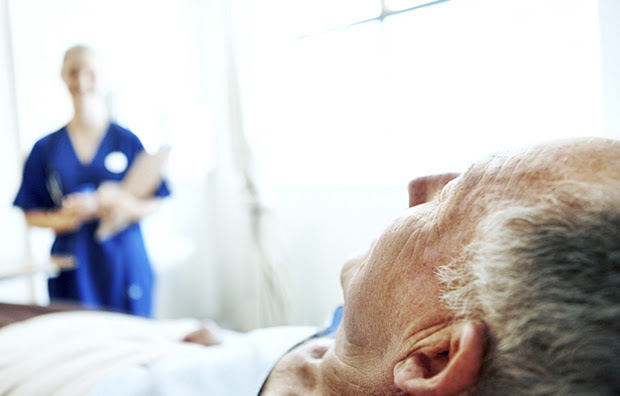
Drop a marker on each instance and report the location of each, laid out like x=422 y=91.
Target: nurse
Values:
x=59 y=190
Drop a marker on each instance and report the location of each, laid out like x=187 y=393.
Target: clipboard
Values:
x=141 y=180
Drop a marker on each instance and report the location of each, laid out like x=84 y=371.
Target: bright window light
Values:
x=316 y=16
x=399 y=5
x=430 y=90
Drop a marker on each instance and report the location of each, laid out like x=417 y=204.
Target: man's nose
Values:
x=347 y=272
x=424 y=188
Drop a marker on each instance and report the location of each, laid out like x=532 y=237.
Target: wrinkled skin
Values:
x=392 y=311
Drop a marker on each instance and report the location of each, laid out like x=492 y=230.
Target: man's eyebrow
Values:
x=444 y=190
x=470 y=177
x=469 y=169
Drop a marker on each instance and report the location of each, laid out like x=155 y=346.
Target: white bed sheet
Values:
x=99 y=354
x=238 y=367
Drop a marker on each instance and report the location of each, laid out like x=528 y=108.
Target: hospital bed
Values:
x=65 y=350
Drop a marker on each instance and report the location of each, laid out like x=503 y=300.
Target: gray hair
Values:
x=545 y=280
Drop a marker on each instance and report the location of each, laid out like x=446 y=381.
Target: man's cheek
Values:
x=363 y=314
x=353 y=317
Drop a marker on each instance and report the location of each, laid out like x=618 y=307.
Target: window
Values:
x=424 y=90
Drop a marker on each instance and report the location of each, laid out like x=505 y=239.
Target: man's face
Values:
x=391 y=299
x=391 y=293
x=392 y=306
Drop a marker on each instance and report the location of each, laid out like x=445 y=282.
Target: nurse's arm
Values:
x=140 y=208
x=60 y=221
x=122 y=207
x=75 y=209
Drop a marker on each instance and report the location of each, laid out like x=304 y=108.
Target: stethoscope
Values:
x=54 y=187
x=116 y=162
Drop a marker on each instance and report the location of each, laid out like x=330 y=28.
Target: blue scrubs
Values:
x=115 y=274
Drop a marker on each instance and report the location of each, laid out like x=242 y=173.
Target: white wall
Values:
x=609 y=17
x=12 y=229
x=321 y=229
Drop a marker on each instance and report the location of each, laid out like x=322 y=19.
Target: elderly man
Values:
x=502 y=280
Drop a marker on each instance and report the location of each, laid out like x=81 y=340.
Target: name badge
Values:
x=116 y=162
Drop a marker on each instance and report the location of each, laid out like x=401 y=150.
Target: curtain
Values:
x=252 y=265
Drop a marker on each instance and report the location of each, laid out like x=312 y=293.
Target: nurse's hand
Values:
x=82 y=206
x=117 y=205
x=75 y=210
x=118 y=208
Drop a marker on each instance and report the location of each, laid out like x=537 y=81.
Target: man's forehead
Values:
x=483 y=174
x=510 y=169
x=533 y=172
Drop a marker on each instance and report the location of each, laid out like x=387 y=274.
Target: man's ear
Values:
x=450 y=372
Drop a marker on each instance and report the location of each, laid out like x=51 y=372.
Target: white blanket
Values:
x=101 y=354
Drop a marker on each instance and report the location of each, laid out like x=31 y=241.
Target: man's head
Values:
x=480 y=275
x=544 y=281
